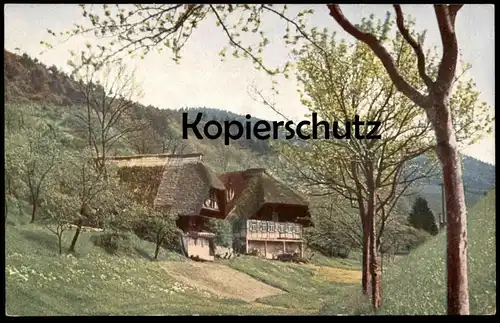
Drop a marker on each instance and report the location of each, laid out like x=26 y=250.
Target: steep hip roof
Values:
x=185 y=187
x=254 y=188
x=177 y=183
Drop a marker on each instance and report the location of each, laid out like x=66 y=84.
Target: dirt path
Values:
x=219 y=280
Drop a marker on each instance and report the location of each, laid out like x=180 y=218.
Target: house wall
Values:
x=265 y=238
x=268 y=230
x=198 y=247
x=192 y=223
x=271 y=249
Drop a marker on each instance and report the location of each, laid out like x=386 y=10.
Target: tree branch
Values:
x=417 y=48
x=445 y=15
x=381 y=52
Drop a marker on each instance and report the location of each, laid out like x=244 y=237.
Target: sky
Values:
x=202 y=79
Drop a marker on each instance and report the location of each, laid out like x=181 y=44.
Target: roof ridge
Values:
x=191 y=155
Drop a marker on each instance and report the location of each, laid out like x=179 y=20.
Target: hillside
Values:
x=416 y=285
x=90 y=281
x=28 y=80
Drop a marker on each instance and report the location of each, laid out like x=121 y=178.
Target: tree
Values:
x=339 y=82
x=91 y=189
x=223 y=231
x=144 y=140
x=173 y=144
x=59 y=212
x=140 y=29
x=32 y=153
x=368 y=173
x=156 y=226
x=337 y=228
x=437 y=103
x=108 y=90
x=147 y=27
x=421 y=216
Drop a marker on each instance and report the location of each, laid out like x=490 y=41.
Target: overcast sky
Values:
x=203 y=80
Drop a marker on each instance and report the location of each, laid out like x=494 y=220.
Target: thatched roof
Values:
x=178 y=183
x=185 y=187
x=259 y=188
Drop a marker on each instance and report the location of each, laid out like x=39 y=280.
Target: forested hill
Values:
x=26 y=79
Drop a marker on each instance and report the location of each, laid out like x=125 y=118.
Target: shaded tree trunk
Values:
x=33 y=211
x=75 y=237
x=372 y=230
x=159 y=240
x=374 y=267
x=59 y=240
x=157 y=250
x=366 y=278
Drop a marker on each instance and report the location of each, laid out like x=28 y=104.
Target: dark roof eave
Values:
x=303 y=205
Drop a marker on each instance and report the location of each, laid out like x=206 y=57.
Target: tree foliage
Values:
x=108 y=92
x=32 y=153
x=435 y=97
x=340 y=81
x=156 y=226
x=223 y=232
x=136 y=30
x=421 y=216
x=59 y=213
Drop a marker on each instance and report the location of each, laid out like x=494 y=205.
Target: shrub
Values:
x=114 y=243
x=223 y=232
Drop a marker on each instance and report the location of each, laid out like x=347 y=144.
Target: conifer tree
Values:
x=421 y=216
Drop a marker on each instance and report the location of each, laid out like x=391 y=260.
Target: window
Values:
x=263 y=226
x=282 y=228
x=275 y=216
x=291 y=227
x=297 y=228
x=253 y=226
x=270 y=227
x=211 y=202
x=230 y=194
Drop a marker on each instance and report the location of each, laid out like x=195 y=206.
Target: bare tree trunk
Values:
x=456 y=215
x=372 y=230
x=33 y=210
x=374 y=269
x=366 y=278
x=75 y=237
x=59 y=240
x=159 y=240
x=157 y=250
x=436 y=105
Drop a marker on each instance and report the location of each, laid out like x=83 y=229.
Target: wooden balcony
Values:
x=270 y=231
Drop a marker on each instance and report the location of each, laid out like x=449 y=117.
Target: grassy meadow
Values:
x=91 y=282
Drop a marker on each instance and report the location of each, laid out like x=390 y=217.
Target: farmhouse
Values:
x=267 y=217
x=180 y=185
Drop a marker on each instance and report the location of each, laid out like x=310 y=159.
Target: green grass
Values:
x=306 y=290
x=416 y=284
x=41 y=282
x=91 y=282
